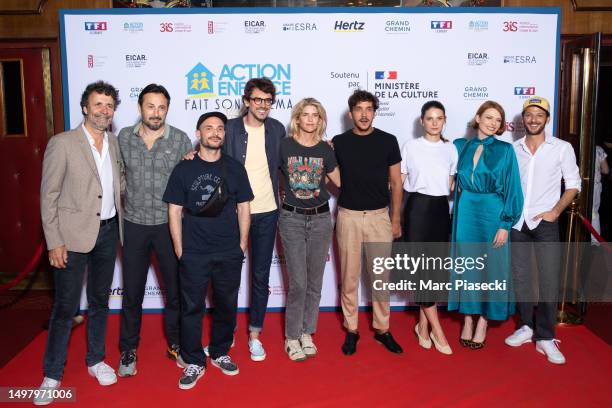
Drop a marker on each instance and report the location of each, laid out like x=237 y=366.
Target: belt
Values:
x=107 y=221
x=307 y=211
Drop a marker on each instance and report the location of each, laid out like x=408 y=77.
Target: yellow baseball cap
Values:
x=538 y=101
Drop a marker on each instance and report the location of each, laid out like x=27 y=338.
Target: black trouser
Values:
x=139 y=241
x=100 y=263
x=546 y=279
x=427 y=219
x=196 y=271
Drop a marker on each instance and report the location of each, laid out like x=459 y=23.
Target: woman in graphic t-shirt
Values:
x=305 y=222
x=429 y=164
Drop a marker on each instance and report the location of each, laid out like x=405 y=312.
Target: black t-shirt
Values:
x=364 y=168
x=304 y=170
x=190 y=185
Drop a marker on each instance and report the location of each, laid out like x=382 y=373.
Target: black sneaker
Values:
x=190 y=376
x=227 y=366
x=173 y=351
x=127 y=364
x=350 y=343
x=387 y=340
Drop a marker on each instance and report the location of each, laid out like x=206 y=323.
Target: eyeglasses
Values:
x=259 y=101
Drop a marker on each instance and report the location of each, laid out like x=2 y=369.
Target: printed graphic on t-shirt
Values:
x=305 y=176
x=203 y=186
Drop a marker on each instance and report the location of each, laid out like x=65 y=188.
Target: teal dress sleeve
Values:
x=513 y=193
x=459 y=144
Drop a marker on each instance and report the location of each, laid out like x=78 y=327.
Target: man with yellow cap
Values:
x=543 y=161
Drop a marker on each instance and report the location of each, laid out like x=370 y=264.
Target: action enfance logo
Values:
x=202 y=83
x=133 y=27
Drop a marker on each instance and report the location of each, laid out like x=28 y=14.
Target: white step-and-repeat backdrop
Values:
x=406 y=56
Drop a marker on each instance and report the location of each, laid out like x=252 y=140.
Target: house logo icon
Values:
x=200 y=82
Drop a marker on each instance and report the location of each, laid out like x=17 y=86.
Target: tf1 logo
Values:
x=95 y=26
x=166 y=27
x=524 y=90
x=511 y=26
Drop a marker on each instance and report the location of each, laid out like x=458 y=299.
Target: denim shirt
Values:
x=236 y=138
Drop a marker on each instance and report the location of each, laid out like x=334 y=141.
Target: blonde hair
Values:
x=297 y=112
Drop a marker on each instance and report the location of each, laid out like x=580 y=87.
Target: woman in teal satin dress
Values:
x=488 y=202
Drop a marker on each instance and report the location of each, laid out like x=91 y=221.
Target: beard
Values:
x=205 y=145
x=152 y=126
x=539 y=130
x=100 y=122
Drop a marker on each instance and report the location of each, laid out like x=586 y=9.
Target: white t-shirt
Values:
x=105 y=172
x=428 y=166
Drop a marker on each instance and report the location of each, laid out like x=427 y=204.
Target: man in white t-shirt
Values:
x=543 y=161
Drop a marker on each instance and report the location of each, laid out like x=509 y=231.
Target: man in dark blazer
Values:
x=80 y=201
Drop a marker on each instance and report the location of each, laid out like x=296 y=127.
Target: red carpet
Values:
x=495 y=376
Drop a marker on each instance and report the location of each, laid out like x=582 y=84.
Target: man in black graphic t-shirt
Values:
x=210 y=247
x=369 y=161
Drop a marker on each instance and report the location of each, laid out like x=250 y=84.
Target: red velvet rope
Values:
x=598 y=237
x=26 y=271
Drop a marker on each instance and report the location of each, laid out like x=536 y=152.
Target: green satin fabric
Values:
x=488 y=197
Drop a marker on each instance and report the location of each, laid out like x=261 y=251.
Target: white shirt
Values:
x=541 y=175
x=105 y=173
x=428 y=166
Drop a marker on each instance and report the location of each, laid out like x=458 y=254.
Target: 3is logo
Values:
x=166 y=27
x=510 y=26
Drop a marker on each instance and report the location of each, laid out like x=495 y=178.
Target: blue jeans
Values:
x=100 y=262
x=306 y=240
x=262 y=235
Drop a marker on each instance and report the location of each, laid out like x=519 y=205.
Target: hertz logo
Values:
x=346 y=26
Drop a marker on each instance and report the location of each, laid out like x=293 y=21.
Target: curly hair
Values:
x=100 y=87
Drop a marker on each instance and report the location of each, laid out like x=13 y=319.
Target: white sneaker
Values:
x=45 y=396
x=520 y=336
x=207 y=353
x=103 y=373
x=256 y=349
x=308 y=346
x=550 y=349
x=294 y=350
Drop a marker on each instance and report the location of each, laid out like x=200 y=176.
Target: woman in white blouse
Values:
x=429 y=164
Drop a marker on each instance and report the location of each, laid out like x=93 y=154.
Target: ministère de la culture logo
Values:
x=390 y=85
x=215 y=89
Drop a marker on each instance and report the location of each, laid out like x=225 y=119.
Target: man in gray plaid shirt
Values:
x=150 y=150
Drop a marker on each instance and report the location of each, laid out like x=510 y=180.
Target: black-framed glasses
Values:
x=259 y=101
